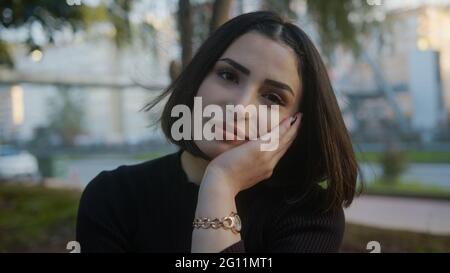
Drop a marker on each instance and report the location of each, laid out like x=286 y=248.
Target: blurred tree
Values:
x=66 y=117
x=5 y=56
x=205 y=18
x=338 y=22
x=42 y=139
x=49 y=13
x=220 y=14
x=185 y=29
x=119 y=11
x=282 y=7
x=393 y=163
x=55 y=15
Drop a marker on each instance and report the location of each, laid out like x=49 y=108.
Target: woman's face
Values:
x=254 y=70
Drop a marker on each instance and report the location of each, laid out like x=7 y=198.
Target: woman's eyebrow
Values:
x=246 y=71
x=236 y=65
x=280 y=85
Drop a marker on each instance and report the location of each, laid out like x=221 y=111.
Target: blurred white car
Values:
x=18 y=165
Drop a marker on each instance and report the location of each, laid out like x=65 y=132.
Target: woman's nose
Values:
x=246 y=96
x=246 y=109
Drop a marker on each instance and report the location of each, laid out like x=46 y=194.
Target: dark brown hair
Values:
x=322 y=151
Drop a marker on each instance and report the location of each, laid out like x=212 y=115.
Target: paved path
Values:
x=421 y=215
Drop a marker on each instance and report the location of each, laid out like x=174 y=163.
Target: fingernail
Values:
x=293 y=119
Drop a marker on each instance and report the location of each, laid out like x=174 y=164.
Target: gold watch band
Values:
x=232 y=222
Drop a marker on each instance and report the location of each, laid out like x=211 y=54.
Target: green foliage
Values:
x=119 y=17
x=407 y=189
x=332 y=18
x=66 y=117
x=410 y=156
x=338 y=22
x=54 y=15
x=282 y=7
x=393 y=163
x=5 y=56
x=31 y=217
x=49 y=12
x=334 y=24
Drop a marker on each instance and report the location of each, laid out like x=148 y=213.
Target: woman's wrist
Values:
x=216 y=198
x=216 y=182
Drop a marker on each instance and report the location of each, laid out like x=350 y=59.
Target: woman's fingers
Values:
x=287 y=139
x=283 y=135
x=292 y=130
x=280 y=139
x=256 y=156
x=280 y=130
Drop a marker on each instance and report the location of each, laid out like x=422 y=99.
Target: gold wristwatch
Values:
x=232 y=222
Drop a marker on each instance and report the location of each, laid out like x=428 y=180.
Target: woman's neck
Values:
x=193 y=166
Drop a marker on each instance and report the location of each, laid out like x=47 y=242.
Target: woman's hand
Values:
x=246 y=165
x=229 y=173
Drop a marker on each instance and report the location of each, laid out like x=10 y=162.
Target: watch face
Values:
x=237 y=222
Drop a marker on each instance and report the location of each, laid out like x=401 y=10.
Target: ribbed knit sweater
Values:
x=150 y=207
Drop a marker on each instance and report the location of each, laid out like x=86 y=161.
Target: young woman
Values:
x=231 y=196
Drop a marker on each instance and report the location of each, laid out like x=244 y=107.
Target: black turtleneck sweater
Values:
x=150 y=207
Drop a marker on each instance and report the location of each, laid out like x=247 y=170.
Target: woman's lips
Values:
x=229 y=132
x=232 y=132
x=235 y=134
x=227 y=135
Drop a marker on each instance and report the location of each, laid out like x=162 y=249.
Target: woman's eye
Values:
x=228 y=76
x=274 y=98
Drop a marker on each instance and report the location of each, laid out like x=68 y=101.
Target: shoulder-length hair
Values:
x=322 y=151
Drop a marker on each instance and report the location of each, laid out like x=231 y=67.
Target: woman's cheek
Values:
x=269 y=120
x=211 y=94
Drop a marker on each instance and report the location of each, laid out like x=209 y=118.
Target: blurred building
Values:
x=402 y=75
x=105 y=80
x=6 y=119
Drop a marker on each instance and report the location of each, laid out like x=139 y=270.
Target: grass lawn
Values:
x=356 y=238
x=34 y=218
x=411 y=156
x=38 y=219
x=407 y=189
